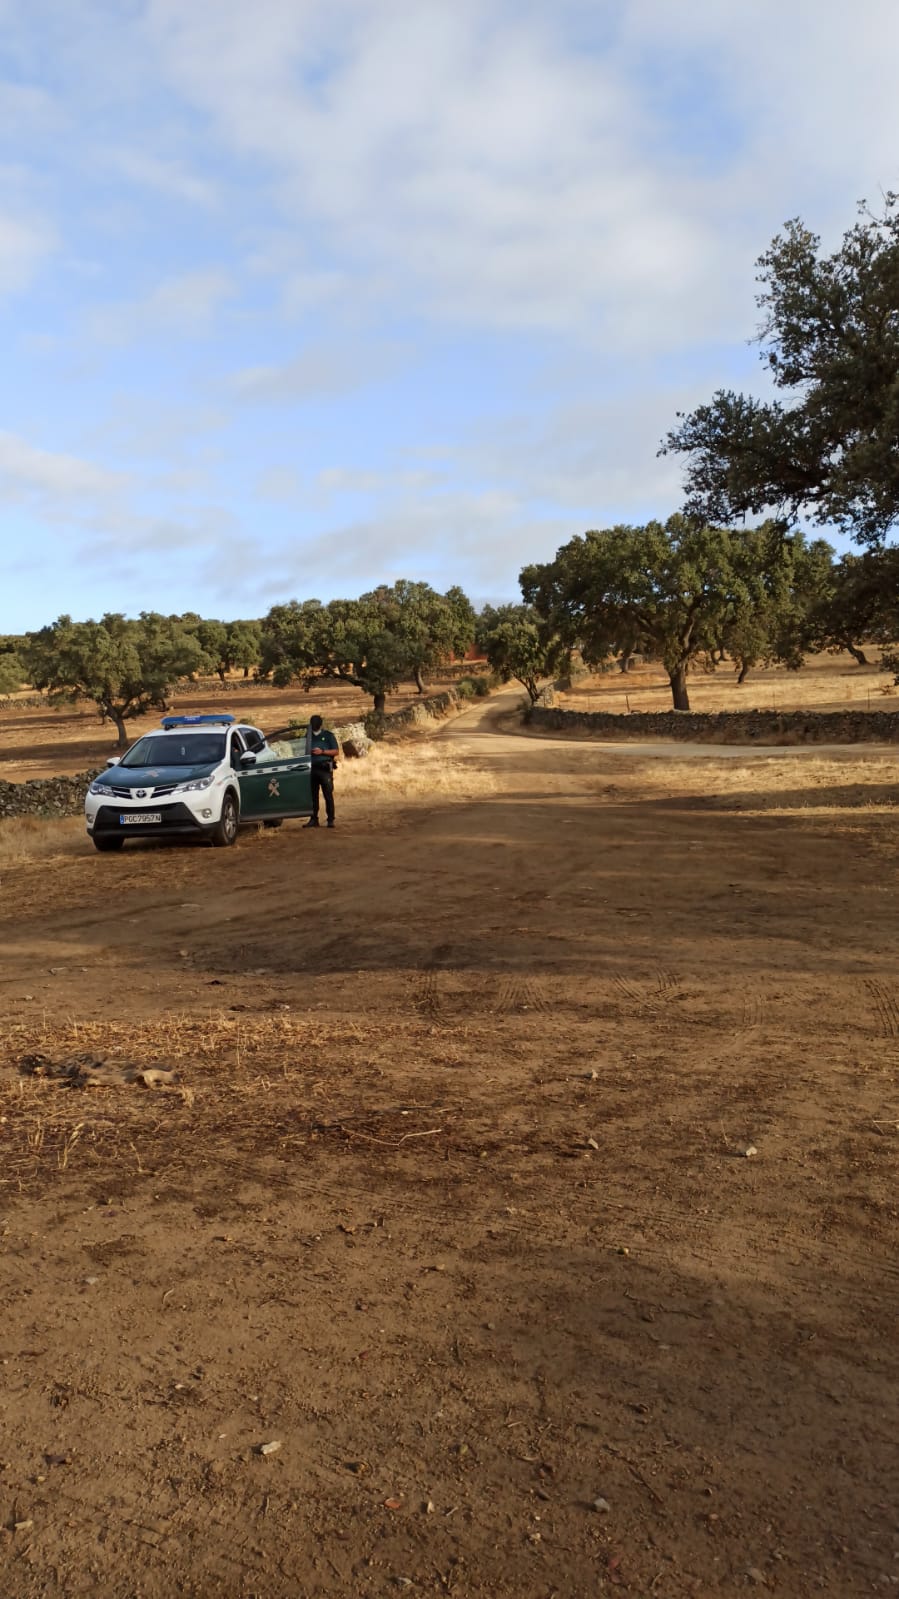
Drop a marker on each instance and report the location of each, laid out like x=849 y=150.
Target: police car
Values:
x=201 y=775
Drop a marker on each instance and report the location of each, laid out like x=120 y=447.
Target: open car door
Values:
x=279 y=783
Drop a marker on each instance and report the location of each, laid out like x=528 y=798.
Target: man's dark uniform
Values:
x=323 y=773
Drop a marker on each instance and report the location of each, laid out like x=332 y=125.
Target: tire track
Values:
x=886 y=1010
x=518 y=993
x=428 y=999
x=651 y=995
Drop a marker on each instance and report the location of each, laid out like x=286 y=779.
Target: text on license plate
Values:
x=140 y=817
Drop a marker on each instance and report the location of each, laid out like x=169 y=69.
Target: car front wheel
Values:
x=107 y=845
x=225 y=830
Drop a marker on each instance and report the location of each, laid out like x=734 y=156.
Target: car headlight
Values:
x=98 y=788
x=192 y=788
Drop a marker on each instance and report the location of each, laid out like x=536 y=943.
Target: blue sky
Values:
x=305 y=295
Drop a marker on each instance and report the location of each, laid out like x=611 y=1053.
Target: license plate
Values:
x=130 y=818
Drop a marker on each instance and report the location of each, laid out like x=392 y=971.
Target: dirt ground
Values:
x=450 y=1195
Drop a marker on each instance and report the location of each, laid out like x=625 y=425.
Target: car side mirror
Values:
x=114 y=760
x=248 y=758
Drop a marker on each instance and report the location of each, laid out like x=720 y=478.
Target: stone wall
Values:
x=45 y=796
x=432 y=709
x=726 y=727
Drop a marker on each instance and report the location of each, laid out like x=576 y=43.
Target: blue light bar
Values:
x=197 y=721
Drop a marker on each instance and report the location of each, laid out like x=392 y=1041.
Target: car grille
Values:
x=150 y=793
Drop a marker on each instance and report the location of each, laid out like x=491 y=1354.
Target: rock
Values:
x=757 y=1576
x=270 y=1449
x=602 y=1506
x=749 y=1151
x=353 y=740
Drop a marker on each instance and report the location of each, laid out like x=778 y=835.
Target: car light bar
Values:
x=198 y=721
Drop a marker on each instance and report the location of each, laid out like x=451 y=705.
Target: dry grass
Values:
x=765 y=783
x=25 y=839
x=412 y=770
x=828 y=682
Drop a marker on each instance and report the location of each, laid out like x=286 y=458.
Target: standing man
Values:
x=322 y=746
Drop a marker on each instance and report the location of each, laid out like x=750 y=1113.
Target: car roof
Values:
x=200 y=728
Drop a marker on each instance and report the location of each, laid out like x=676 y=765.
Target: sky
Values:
x=301 y=296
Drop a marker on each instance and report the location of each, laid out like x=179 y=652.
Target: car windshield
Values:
x=190 y=749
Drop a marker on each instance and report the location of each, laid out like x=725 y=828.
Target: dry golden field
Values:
x=825 y=683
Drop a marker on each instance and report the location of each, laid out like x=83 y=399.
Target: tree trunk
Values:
x=678 y=681
x=624 y=663
x=380 y=703
x=246 y=671
x=745 y=669
x=117 y=717
x=858 y=655
x=420 y=683
x=221 y=674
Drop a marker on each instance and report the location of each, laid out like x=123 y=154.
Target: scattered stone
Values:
x=757 y=1576
x=602 y=1506
x=749 y=1151
x=592 y=1144
x=270 y=1449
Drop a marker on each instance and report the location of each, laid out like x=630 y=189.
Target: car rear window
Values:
x=187 y=749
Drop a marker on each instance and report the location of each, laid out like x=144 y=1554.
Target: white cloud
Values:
x=186 y=304
x=489 y=163
x=24 y=245
x=166 y=175
x=55 y=482
x=318 y=369
x=278 y=484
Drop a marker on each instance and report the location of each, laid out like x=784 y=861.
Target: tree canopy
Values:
x=12 y=672
x=667 y=590
x=830 y=342
x=396 y=631
x=127 y=667
x=519 y=644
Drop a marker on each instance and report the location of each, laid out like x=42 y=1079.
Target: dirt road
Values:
x=451 y=1198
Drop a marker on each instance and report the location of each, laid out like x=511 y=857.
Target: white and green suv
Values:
x=202 y=775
